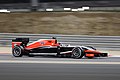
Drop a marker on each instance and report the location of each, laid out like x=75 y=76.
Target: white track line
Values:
x=56 y=62
x=115 y=56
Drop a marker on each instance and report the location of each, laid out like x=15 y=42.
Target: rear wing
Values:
x=20 y=41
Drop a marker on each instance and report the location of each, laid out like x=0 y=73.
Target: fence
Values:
x=100 y=42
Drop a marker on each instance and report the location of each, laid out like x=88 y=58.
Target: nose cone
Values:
x=92 y=51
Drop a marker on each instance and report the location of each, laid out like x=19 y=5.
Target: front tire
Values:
x=17 y=51
x=77 y=53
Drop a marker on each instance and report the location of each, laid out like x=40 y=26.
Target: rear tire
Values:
x=17 y=51
x=77 y=53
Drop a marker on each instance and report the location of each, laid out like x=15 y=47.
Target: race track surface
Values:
x=50 y=67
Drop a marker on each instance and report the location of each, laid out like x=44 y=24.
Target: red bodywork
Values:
x=15 y=43
x=91 y=53
x=41 y=43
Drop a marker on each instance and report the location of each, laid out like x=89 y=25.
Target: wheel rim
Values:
x=77 y=53
x=17 y=51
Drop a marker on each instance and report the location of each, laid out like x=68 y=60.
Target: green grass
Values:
x=80 y=23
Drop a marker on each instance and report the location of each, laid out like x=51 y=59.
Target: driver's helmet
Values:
x=53 y=37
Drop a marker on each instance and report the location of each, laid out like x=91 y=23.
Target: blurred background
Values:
x=30 y=16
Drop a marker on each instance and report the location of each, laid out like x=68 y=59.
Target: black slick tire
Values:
x=77 y=53
x=17 y=51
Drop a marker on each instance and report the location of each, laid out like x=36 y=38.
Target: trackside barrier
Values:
x=100 y=42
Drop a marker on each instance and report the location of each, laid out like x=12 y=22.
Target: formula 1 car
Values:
x=21 y=46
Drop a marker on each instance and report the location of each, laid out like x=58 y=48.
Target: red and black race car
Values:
x=21 y=46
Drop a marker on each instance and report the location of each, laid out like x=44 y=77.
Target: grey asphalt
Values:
x=41 y=71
